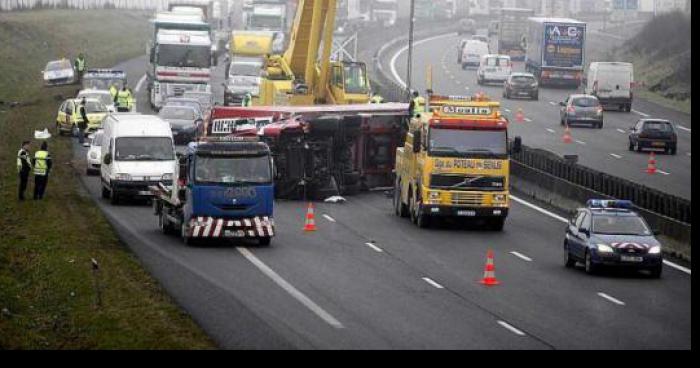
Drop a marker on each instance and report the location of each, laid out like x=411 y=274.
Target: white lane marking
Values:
x=395 y=72
x=458 y=82
x=581 y=143
x=621 y=131
x=683 y=128
x=511 y=328
x=528 y=120
x=616 y=156
x=678 y=267
x=688 y=154
x=140 y=83
x=433 y=283
x=507 y=110
x=466 y=88
x=538 y=209
x=551 y=131
x=561 y=219
x=553 y=103
x=641 y=113
x=331 y=219
x=374 y=247
x=298 y=295
x=522 y=256
x=611 y=299
x=663 y=172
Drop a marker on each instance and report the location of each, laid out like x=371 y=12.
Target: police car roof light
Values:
x=610 y=204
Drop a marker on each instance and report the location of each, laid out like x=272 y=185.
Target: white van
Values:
x=137 y=152
x=494 y=68
x=472 y=52
x=612 y=83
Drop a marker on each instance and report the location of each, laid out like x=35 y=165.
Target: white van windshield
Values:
x=144 y=149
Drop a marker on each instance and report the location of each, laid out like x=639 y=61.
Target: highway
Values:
x=370 y=280
x=605 y=150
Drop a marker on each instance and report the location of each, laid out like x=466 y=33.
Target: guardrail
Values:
x=10 y=5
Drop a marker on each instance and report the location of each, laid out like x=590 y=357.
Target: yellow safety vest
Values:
x=40 y=165
x=123 y=98
x=377 y=100
x=19 y=160
x=81 y=64
x=113 y=91
x=418 y=105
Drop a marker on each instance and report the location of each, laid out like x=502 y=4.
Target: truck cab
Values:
x=455 y=163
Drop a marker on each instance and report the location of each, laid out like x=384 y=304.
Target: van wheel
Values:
x=114 y=198
x=105 y=193
x=631 y=146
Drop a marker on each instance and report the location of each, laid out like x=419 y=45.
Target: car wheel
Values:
x=537 y=97
x=600 y=125
x=569 y=262
x=591 y=268
x=639 y=147
x=114 y=198
x=631 y=146
x=656 y=272
x=674 y=151
x=105 y=193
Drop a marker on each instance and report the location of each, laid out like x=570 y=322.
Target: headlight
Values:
x=122 y=177
x=167 y=177
x=602 y=248
x=499 y=198
x=93 y=155
x=434 y=196
x=655 y=250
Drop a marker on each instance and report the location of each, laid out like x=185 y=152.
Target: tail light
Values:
x=600 y=110
x=181 y=182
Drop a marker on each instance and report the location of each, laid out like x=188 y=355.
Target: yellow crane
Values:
x=304 y=75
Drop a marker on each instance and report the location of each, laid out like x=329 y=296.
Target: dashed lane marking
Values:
x=581 y=143
x=511 y=328
x=553 y=103
x=289 y=288
x=331 y=219
x=522 y=256
x=616 y=156
x=374 y=247
x=621 y=131
x=551 y=130
x=433 y=283
x=611 y=299
x=528 y=120
x=641 y=113
x=683 y=128
x=663 y=172
x=140 y=84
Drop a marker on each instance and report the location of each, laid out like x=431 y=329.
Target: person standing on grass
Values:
x=83 y=123
x=42 y=169
x=24 y=167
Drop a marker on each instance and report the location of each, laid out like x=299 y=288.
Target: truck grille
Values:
x=467 y=199
x=457 y=182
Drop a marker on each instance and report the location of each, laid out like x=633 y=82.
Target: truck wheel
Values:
x=497 y=224
x=265 y=242
x=164 y=224
x=105 y=193
x=399 y=208
x=183 y=233
x=417 y=216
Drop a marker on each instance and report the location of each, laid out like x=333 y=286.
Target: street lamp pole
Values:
x=409 y=70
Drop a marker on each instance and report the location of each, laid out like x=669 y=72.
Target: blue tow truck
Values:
x=222 y=190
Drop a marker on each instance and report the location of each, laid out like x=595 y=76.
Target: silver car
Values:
x=183 y=122
x=59 y=72
x=206 y=100
x=581 y=109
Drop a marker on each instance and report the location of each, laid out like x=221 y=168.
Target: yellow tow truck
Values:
x=455 y=163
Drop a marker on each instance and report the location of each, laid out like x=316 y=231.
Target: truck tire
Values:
x=164 y=225
x=113 y=198
x=265 y=242
x=496 y=224
x=188 y=241
x=399 y=208
x=417 y=216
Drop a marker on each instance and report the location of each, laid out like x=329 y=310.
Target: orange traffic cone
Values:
x=567 y=136
x=651 y=166
x=310 y=225
x=519 y=116
x=489 y=272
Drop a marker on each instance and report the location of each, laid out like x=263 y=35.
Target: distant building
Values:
x=663 y=6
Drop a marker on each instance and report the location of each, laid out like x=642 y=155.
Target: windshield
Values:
x=245 y=69
x=620 y=225
x=195 y=104
x=97 y=139
x=586 y=102
x=144 y=149
x=184 y=56
x=94 y=107
x=355 y=79
x=102 y=83
x=58 y=65
x=229 y=170
x=497 y=61
x=104 y=98
x=660 y=126
x=266 y=22
x=449 y=142
x=176 y=113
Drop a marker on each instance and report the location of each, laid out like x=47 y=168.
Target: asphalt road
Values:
x=605 y=150
x=370 y=280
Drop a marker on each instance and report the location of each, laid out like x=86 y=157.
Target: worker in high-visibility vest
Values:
x=42 y=169
x=417 y=104
x=80 y=65
x=247 y=100
x=113 y=90
x=376 y=99
x=124 y=100
x=24 y=167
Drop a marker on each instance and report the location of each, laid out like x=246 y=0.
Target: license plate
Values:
x=631 y=259
x=234 y=234
x=659 y=144
x=523 y=93
x=490 y=70
x=145 y=192
x=466 y=213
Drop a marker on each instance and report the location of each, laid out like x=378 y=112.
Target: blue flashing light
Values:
x=610 y=204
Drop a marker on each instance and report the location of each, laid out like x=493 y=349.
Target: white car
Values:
x=494 y=68
x=94 y=159
x=98 y=94
x=59 y=72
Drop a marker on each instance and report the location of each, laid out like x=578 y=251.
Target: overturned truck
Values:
x=320 y=151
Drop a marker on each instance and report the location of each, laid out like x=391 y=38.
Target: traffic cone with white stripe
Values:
x=310 y=225
x=651 y=166
x=490 y=271
x=567 y=136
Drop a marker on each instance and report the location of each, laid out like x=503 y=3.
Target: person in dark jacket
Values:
x=24 y=167
x=83 y=124
x=42 y=169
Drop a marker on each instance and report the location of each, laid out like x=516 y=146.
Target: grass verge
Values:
x=47 y=286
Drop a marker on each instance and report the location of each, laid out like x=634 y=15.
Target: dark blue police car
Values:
x=610 y=233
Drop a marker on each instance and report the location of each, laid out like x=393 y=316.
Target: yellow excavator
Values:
x=299 y=77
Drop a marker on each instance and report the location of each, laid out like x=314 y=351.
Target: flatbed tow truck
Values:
x=222 y=190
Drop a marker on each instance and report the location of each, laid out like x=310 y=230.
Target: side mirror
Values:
x=584 y=231
x=517 y=145
x=417 y=135
x=107 y=159
x=562 y=104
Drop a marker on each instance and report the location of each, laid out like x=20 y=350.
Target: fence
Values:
x=9 y=5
